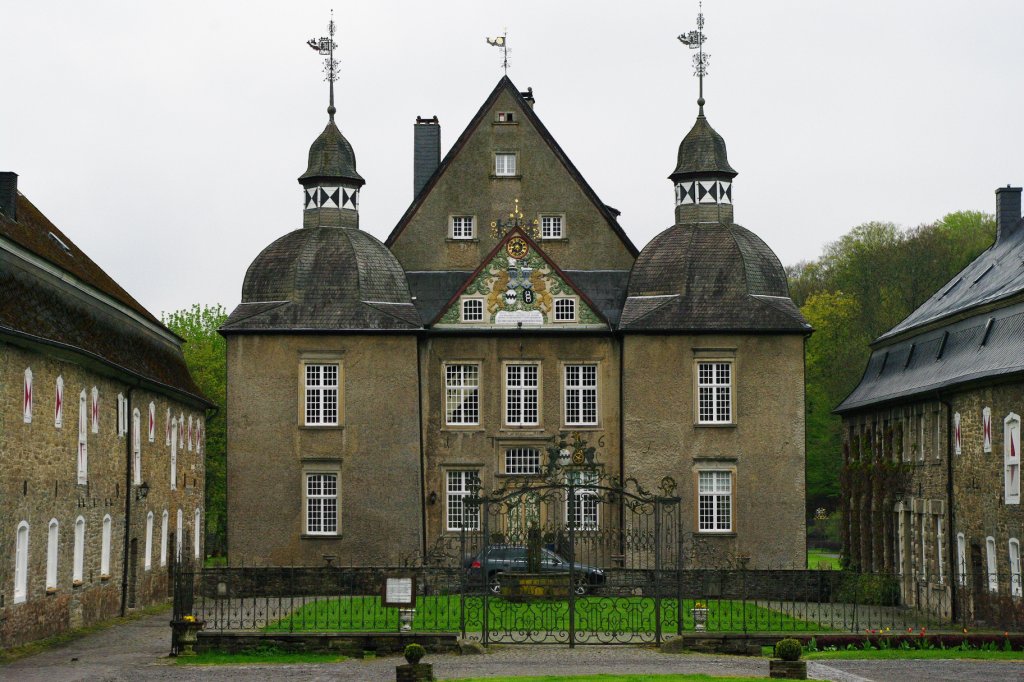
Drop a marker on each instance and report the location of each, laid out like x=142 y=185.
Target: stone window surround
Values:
x=726 y=355
x=478 y=426
x=716 y=465
x=21 y=563
x=105 y=539
x=447 y=495
x=148 y=559
x=992 y=564
x=314 y=466
x=562 y=371
x=165 y=522
x=52 y=554
x=516 y=169
x=326 y=357
x=1016 y=588
x=520 y=463
x=78 y=558
x=516 y=426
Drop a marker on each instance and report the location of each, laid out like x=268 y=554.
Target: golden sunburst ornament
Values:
x=499 y=228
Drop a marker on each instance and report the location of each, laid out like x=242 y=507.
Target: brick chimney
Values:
x=1008 y=217
x=426 y=151
x=9 y=194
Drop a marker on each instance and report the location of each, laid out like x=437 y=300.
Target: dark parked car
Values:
x=510 y=558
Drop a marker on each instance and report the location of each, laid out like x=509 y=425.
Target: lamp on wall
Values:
x=432 y=498
x=142 y=491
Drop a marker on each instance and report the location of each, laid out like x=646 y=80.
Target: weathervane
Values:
x=325 y=46
x=500 y=228
x=695 y=41
x=502 y=42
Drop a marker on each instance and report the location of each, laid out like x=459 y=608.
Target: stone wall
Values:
x=39 y=482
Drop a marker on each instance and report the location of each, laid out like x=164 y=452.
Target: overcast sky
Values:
x=166 y=138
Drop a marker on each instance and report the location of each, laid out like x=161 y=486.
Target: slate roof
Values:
x=707 y=277
x=505 y=84
x=702 y=153
x=431 y=290
x=915 y=365
x=324 y=279
x=331 y=158
x=36 y=307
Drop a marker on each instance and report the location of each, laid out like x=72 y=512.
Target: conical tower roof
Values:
x=702 y=153
x=331 y=159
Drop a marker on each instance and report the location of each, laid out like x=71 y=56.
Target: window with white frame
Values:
x=52 y=554
x=163 y=539
x=122 y=415
x=83 y=435
x=463 y=227
x=714 y=506
x=136 y=447
x=473 y=310
x=196 y=529
x=505 y=164
x=1016 y=589
x=522 y=461
x=78 y=564
x=581 y=395
x=992 y=564
x=714 y=392
x=522 y=395
x=961 y=559
x=462 y=394
x=551 y=227
x=322 y=395
x=321 y=504
x=105 y=547
x=179 y=536
x=149 y=542
x=583 y=507
x=21 y=563
x=458 y=486
x=1011 y=459
x=565 y=309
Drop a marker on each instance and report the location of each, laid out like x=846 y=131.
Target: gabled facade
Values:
x=518 y=314
x=102 y=429
x=938 y=408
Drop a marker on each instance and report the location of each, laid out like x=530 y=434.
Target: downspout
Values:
x=128 y=492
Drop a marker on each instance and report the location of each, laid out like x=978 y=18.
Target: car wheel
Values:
x=580 y=585
x=493 y=584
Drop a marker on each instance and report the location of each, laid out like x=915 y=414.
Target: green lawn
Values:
x=595 y=614
x=820 y=559
x=258 y=656
x=613 y=678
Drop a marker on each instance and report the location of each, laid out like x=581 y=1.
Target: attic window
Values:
x=910 y=355
x=885 y=360
x=988 y=330
x=61 y=244
x=942 y=345
x=506 y=117
x=987 y=270
x=954 y=285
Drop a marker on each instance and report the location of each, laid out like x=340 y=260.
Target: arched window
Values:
x=163 y=541
x=178 y=537
x=174 y=454
x=195 y=534
x=993 y=571
x=1016 y=589
x=105 y=557
x=58 y=404
x=136 y=447
x=79 y=560
x=149 y=541
x=21 y=563
x=52 y=539
x=961 y=558
x=152 y=421
x=83 y=429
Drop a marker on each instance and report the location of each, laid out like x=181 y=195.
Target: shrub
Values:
x=788 y=649
x=414 y=652
x=868 y=588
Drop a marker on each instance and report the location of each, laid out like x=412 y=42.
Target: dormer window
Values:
x=506 y=117
x=505 y=164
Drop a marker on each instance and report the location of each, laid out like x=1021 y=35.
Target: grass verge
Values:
x=613 y=678
x=267 y=655
x=889 y=654
x=33 y=648
x=818 y=559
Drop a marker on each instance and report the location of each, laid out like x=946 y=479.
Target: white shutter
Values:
x=58 y=404
x=83 y=430
x=986 y=428
x=1011 y=459
x=27 y=404
x=95 y=410
x=956 y=433
x=167 y=428
x=152 y=422
x=190 y=433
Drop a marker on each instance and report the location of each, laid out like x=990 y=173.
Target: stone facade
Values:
x=97 y=567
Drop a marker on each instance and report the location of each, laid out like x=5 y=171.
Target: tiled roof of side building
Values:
x=41 y=308
x=984 y=346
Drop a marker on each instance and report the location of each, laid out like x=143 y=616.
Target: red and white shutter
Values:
x=1011 y=458
x=167 y=428
x=83 y=447
x=986 y=428
x=152 y=422
x=956 y=433
x=181 y=428
x=95 y=410
x=27 y=404
x=58 y=404
x=190 y=433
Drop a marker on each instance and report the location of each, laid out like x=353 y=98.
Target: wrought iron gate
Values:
x=575 y=557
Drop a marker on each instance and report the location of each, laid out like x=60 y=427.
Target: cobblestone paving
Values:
x=138 y=651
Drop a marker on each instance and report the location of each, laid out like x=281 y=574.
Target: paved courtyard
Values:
x=138 y=651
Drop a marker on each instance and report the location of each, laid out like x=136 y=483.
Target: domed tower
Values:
x=713 y=367
x=322 y=413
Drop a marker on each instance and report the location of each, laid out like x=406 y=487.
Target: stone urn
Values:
x=186 y=632
x=700 y=617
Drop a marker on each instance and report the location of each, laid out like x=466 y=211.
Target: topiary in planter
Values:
x=413 y=653
x=788 y=649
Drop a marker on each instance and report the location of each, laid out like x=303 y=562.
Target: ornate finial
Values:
x=502 y=42
x=695 y=41
x=325 y=46
x=499 y=228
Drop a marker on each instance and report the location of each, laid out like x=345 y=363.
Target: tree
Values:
x=205 y=355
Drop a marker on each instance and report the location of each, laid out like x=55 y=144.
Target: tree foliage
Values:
x=864 y=284
x=205 y=355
